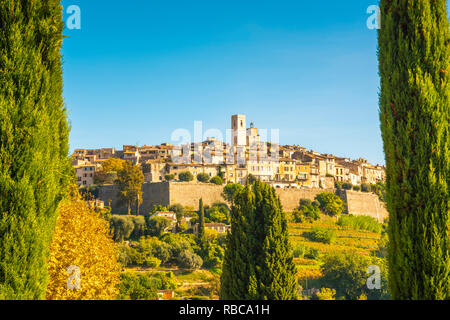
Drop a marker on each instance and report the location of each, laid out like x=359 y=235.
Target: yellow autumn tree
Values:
x=83 y=263
x=326 y=294
x=113 y=164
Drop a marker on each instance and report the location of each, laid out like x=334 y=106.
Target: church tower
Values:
x=239 y=130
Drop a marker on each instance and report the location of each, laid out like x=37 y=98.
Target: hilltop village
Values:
x=283 y=166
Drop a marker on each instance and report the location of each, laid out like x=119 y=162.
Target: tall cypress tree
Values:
x=258 y=261
x=414 y=59
x=236 y=269
x=201 y=225
x=34 y=165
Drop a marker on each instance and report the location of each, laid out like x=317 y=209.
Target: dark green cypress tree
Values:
x=236 y=269
x=34 y=164
x=201 y=225
x=258 y=262
x=414 y=68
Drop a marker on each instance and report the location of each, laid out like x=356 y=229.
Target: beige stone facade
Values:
x=291 y=166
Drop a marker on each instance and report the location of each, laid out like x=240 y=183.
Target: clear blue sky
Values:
x=137 y=70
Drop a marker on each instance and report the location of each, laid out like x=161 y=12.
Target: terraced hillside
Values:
x=308 y=253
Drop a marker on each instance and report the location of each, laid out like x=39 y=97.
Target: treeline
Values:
x=180 y=250
x=131 y=227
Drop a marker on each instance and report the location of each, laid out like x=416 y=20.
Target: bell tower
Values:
x=239 y=131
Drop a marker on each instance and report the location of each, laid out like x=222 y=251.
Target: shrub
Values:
x=360 y=223
x=186 y=176
x=323 y=235
x=152 y=262
x=379 y=190
x=217 y=180
x=302 y=251
x=169 y=177
x=203 y=177
x=308 y=209
x=305 y=202
x=347 y=186
x=365 y=187
x=356 y=188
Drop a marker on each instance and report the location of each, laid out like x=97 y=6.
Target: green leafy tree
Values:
x=122 y=227
x=217 y=214
x=214 y=255
x=157 y=226
x=231 y=190
x=140 y=227
x=189 y=260
x=414 y=65
x=330 y=203
x=130 y=180
x=34 y=133
x=179 y=210
x=258 y=262
x=159 y=208
x=137 y=287
x=186 y=176
x=346 y=272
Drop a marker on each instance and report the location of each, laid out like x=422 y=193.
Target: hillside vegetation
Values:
x=347 y=234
